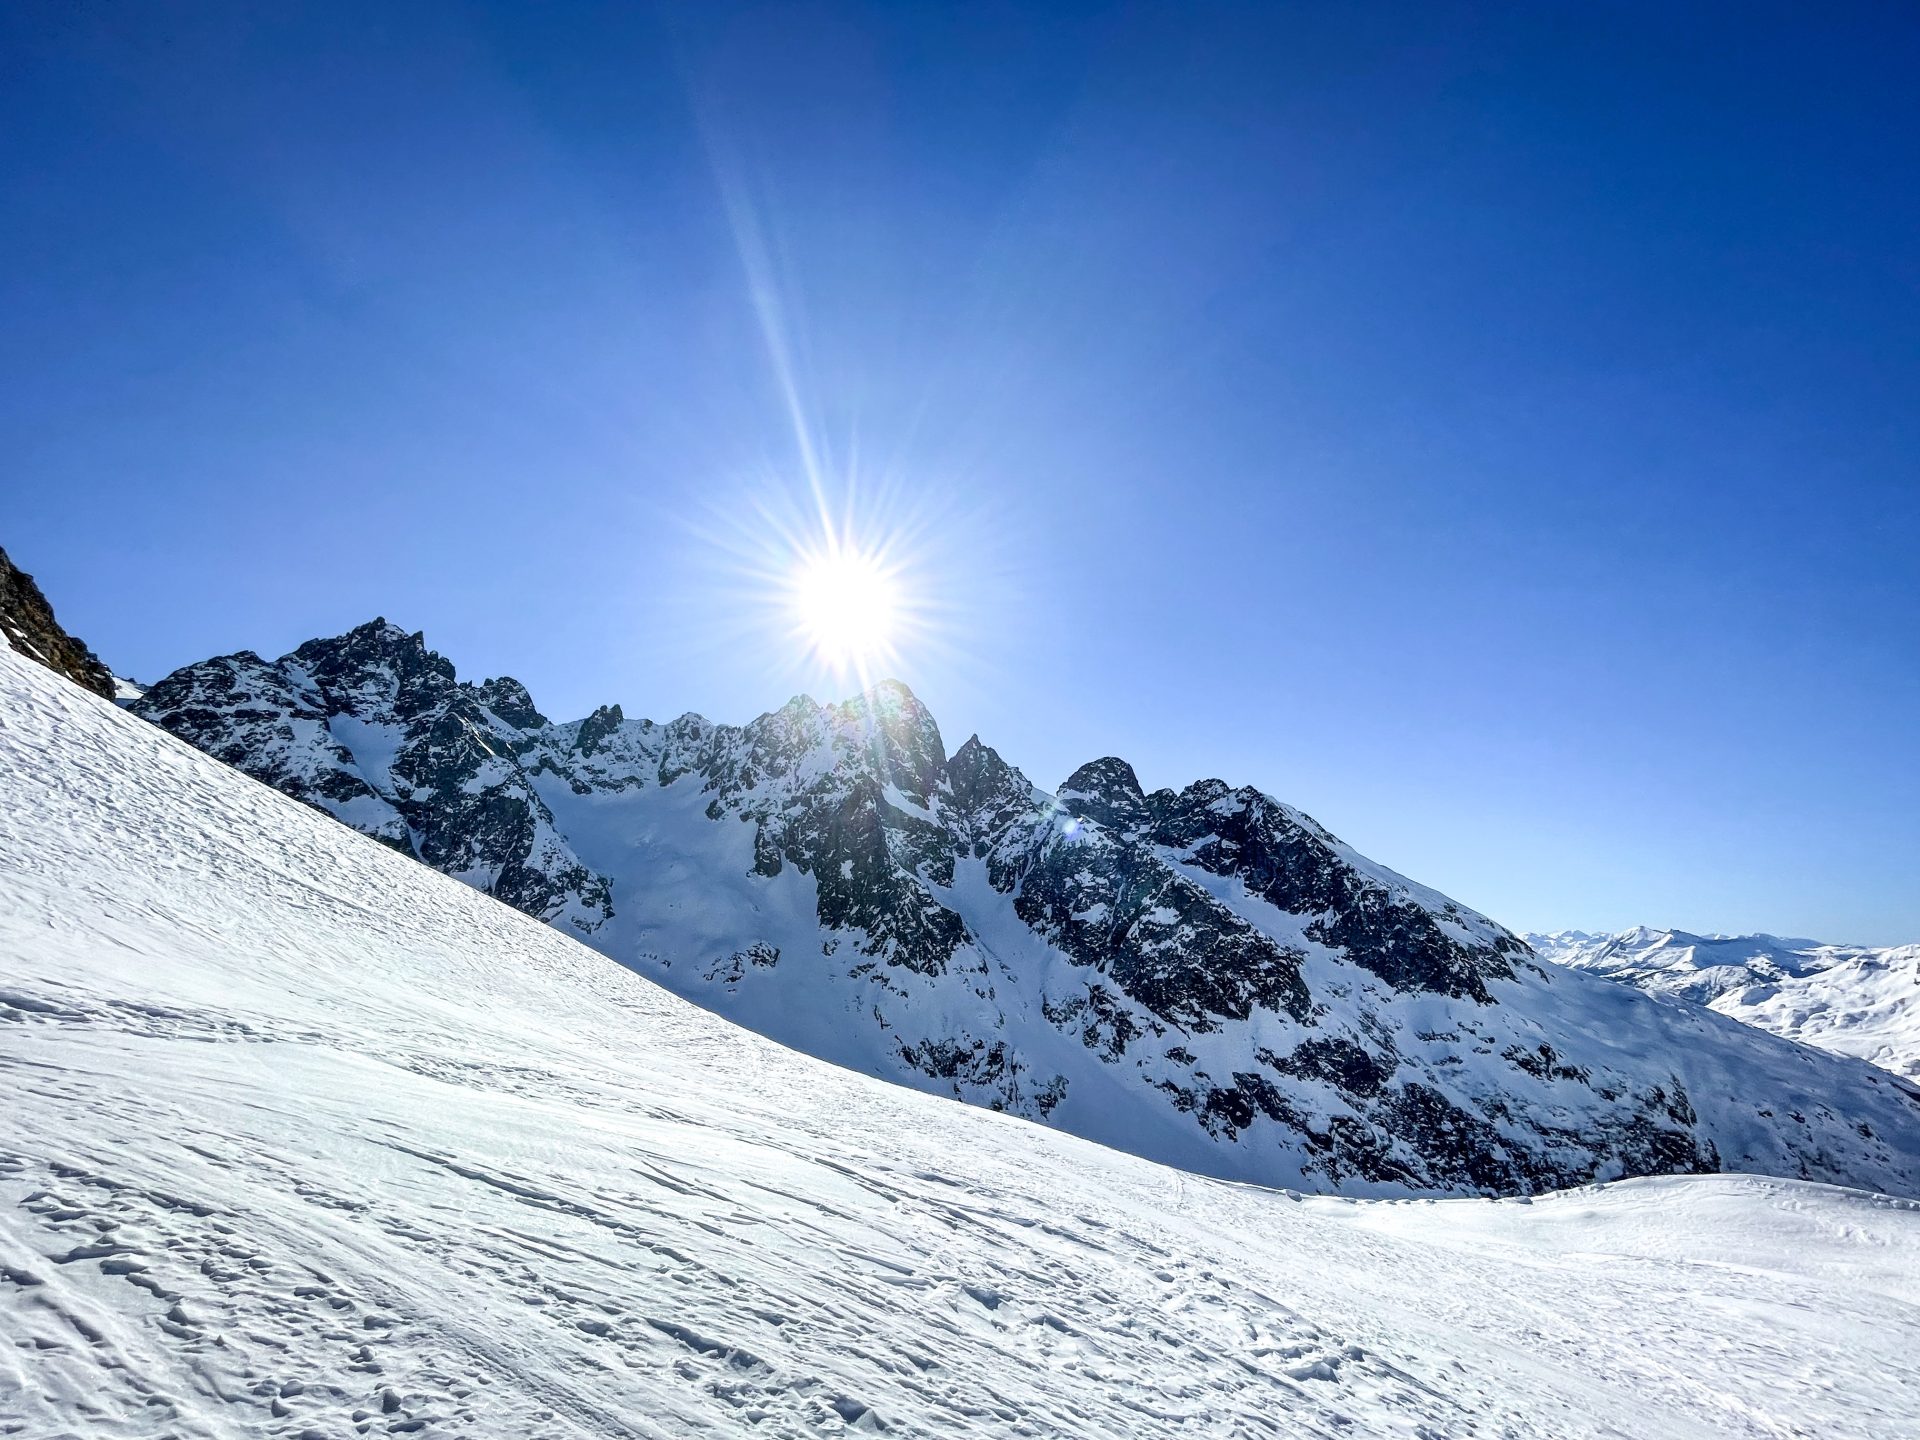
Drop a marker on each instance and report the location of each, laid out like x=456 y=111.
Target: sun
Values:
x=846 y=605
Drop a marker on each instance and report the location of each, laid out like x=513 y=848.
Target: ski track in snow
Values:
x=303 y=1139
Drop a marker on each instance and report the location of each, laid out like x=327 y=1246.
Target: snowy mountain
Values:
x=304 y=1139
x=1205 y=977
x=1557 y=945
x=1849 y=999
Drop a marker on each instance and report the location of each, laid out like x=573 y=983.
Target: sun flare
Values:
x=846 y=604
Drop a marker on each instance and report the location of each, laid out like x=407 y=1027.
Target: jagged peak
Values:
x=238 y=657
x=1205 y=792
x=378 y=638
x=377 y=663
x=887 y=702
x=1109 y=775
x=889 y=719
x=800 y=724
x=1225 y=800
x=597 y=728
x=507 y=698
x=379 y=634
x=1106 y=790
x=977 y=767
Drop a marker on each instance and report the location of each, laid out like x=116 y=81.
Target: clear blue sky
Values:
x=1493 y=429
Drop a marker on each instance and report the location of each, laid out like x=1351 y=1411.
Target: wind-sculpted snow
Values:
x=1207 y=977
x=303 y=1139
x=1850 y=999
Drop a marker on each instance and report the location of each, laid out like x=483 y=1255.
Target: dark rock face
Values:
x=1167 y=944
x=1207 y=976
x=1292 y=863
x=26 y=619
x=1108 y=791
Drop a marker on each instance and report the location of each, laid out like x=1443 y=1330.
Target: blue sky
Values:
x=1489 y=428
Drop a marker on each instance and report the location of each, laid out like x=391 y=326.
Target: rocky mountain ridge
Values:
x=28 y=623
x=1206 y=976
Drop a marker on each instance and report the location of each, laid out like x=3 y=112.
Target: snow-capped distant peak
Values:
x=1850 y=999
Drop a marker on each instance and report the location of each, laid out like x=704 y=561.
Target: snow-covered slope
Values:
x=1850 y=999
x=1206 y=977
x=303 y=1139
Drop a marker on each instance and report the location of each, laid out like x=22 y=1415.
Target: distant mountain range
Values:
x=1851 y=999
x=1205 y=976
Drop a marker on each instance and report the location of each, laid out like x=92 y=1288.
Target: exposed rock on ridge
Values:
x=27 y=621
